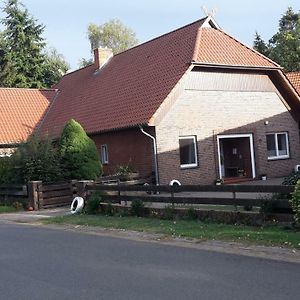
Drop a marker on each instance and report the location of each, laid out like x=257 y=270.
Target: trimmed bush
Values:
x=295 y=202
x=79 y=156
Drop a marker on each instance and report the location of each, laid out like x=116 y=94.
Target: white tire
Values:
x=77 y=205
x=175 y=182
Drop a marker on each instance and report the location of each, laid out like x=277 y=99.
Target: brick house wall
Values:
x=213 y=104
x=127 y=147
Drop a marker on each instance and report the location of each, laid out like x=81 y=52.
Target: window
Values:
x=104 y=154
x=188 y=152
x=277 y=145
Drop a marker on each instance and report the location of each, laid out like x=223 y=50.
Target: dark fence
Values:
x=254 y=195
x=13 y=192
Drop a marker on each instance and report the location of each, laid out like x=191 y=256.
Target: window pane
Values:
x=187 y=151
x=104 y=154
x=282 y=146
x=271 y=147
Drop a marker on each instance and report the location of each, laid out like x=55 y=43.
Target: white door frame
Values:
x=232 y=136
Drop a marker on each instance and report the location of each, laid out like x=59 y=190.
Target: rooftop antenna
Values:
x=208 y=13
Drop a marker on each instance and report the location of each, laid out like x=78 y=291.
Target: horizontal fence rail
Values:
x=13 y=190
x=256 y=195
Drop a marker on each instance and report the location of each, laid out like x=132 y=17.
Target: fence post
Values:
x=33 y=193
x=81 y=191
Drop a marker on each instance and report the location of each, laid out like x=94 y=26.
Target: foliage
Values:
x=191 y=214
x=267 y=235
x=22 y=46
x=109 y=209
x=79 y=156
x=292 y=178
x=83 y=62
x=93 y=203
x=55 y=67
x=123 y=170
x=295 y=202
x=5 y=167
x=169 y=212
x=112 y=34
x=18 y=205
x=36 y=159
x=284 y=46
x=137 y=208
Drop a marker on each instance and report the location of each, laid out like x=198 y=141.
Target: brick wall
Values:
x=127 y=147
x=209 y=113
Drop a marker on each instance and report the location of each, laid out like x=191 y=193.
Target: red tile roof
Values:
x=217 y=47
x=21 y=111
x=294 y=78
x=130 y=88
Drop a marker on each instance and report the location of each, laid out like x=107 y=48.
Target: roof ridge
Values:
x=248 y=47
x=165 y=34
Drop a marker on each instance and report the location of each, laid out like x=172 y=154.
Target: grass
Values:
x=7 y=209
x=268 y=235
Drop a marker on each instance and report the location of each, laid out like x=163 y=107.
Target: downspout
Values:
x=154 y=151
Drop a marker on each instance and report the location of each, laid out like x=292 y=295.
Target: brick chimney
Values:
x=101 y=56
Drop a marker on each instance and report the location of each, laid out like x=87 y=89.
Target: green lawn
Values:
x=6 y=209
x=268 y=235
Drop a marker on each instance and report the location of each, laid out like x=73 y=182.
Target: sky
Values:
x=66 y=21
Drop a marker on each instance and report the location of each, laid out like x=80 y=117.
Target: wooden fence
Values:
x=54 y=195
x=253 y=195
x=13 y=192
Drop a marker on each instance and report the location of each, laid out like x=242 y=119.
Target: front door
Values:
x=236 y=157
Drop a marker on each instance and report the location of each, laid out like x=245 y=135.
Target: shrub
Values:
x=109 y=209
x=292 y=178
x=295 y=202
x=191 y=214
x=36 y=159
x=137 y=208
x=79 y=156
x=5 y=167
x=93 y=203
x=169 y=213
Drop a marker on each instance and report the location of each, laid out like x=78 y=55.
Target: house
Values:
x=21 y=111
x=194 y=104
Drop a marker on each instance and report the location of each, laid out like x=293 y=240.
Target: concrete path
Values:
x=33 y=216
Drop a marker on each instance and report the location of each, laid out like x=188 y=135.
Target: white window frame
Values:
x=277 y=156
x=193 y=165
x=104 y=154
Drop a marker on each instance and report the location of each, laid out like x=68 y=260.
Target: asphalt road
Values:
x=41 y=263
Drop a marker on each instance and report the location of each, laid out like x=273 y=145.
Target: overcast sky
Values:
x=66 y=21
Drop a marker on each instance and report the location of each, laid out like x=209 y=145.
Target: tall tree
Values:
x=284 y=46
x=112 y=34
x=24 y=50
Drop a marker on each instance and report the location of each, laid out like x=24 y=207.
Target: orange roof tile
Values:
x=21 y=110
x=130 y=88
x=217 y=47
x=294 y=78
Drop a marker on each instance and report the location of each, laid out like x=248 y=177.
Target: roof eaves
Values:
x=226 y=66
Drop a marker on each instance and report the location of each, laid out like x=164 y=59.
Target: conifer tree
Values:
x=79 y=156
